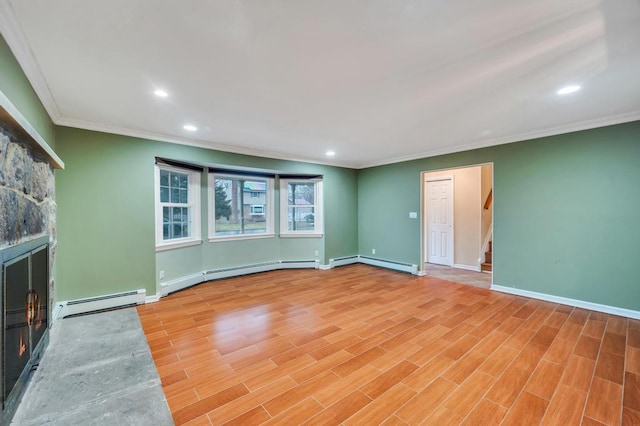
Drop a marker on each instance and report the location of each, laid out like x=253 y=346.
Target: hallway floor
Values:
x=460 y=276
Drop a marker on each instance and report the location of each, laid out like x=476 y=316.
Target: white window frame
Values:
x=318 y=230
x=252 y=207
x=269 y=215
x=193 y=203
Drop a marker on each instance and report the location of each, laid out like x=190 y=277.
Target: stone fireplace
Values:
x=27 y=248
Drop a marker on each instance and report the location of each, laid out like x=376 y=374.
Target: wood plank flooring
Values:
x=360 y=345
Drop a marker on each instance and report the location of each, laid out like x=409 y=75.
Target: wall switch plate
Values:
x=413 y=215
x=373 y=251
x=162 y=275
x=317 y=253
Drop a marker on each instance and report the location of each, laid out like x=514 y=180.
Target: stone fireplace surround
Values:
x=27 y=195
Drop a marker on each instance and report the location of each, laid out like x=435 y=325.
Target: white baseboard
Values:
x=152 y=299
x=98 y=303
x=567 y=301
x=324 y=267
x=466 y=267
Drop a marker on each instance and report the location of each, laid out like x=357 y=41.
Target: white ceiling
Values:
x=377 y=81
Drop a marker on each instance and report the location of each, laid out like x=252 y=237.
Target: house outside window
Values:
x=257 y=210
x=177 y=207
x=242 y=207
x=301 y=207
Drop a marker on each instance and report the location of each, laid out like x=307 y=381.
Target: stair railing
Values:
x=489 y=200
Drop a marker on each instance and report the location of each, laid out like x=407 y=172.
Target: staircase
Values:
x=487 y=265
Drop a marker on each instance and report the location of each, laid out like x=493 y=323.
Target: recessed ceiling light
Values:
x=190 y=127
x=568 y=89
x=161 y=93
x=330 y=153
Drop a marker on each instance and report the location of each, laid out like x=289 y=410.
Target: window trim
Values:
x=318 y=206
x=193 y=202
x=269 y=202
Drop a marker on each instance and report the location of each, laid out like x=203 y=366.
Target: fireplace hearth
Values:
x=25 y=317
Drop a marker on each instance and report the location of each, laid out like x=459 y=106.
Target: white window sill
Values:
x=302 y=235
x=177 y=244
x=240 y=237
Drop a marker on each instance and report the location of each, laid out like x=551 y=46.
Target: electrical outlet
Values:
x=316 y=253
x=162 y=275
x=373 y=251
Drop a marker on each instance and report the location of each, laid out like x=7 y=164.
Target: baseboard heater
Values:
x=342 y=261
x=101 y=303
x=389 y=264
x=255 y=268
x=299 y=264
x=234 y=271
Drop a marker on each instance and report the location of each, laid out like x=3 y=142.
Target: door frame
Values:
x=424 y=216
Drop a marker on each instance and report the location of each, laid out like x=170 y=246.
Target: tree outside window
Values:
x=242 y=206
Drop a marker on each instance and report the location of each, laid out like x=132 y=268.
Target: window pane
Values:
x=301 y=219
x=184 y=196
x=257 y=225
x=176 y=222
x=184 y=181
x=227 y=207
x=164 y=178
x=240 y=206
x=255 y=186
x=164 y=194
x=177 y=230
x=301 y=194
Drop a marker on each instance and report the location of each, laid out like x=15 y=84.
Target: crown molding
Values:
x=161 y=137
x=520 y=137
x=15 y=38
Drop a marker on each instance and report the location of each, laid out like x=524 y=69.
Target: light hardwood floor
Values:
x=360 y=345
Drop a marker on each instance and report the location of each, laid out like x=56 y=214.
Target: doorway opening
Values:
x=457 y=224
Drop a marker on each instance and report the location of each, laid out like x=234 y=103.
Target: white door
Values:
x=439 y=218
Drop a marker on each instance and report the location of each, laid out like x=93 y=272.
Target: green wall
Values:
x=106 y=234
x=16 y=87
x=566 y=212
